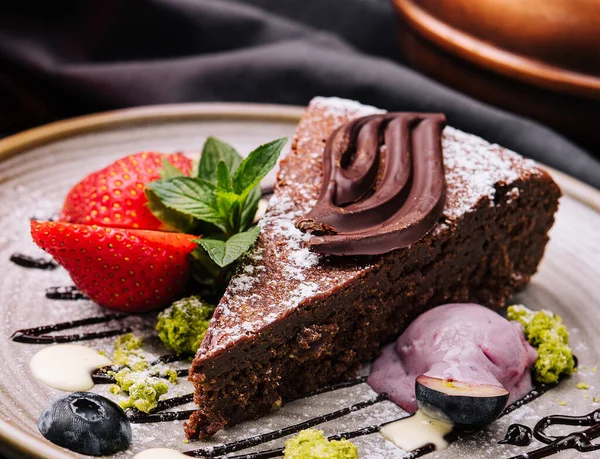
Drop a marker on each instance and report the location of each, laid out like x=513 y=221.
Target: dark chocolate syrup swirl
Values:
x=580 y=440
x=173 y=402
x=418 y=452
x=322 y=390
x=518 y=435
x=37 y=335
x=138 y=417
x=277 y=452
x=170 y=358
x=101 y=375
x=258 y=439
x=103 y=378
x=30 y=262
x=52 y=218
x=71 y=293
x=383 y=185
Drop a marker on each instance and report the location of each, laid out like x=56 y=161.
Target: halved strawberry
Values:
x=114 y=196
x=123 y=269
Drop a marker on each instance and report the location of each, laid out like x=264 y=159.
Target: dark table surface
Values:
x=68 y=58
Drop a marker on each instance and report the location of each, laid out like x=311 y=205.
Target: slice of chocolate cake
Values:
x=293 y=320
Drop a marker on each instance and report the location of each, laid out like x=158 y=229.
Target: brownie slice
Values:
x=292 y=321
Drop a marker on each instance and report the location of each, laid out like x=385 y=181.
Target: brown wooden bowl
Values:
x=539 y=58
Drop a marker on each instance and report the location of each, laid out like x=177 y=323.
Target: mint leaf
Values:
x=223 y=179
x=169 y=171
x=258 y=164
x=173 y=219
x=224 y=253
x=229 y=206
x=249 y=208
x=213 y=152
x=190 y=196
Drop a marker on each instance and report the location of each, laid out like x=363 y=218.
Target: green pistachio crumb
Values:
x=171 y=375
x=546 y=332
x=142 y=383
x=596 y=399
x=182 y=326
x=144 y=391
x=128 y=351
x=562 y=403
x=312 y=444
x=582 y=386
x=114 y=389
x=595 y=370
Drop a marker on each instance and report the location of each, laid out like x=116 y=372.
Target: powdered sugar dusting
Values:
x=336 y=106
x=474 y=168
x=281 y=273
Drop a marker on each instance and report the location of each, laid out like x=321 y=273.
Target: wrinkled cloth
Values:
x=61 y=59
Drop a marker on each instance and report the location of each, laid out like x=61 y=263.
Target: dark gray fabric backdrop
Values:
x=59 y=59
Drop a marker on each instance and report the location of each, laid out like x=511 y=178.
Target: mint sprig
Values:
x=213 y=152
x=226 y=252
x=218 y=204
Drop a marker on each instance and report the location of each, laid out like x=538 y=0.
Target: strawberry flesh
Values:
x=122 y=269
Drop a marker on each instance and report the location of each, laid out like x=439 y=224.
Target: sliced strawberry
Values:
x=123 y=269
x=114 y=196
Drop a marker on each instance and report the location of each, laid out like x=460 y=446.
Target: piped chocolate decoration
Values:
x=26 y=261
x=518 y=435
x=383 y=185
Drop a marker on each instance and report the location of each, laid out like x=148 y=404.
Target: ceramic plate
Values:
x=38 y=167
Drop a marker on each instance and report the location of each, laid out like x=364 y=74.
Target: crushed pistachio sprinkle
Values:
x=546 y=332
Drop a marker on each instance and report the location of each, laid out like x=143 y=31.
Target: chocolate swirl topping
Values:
x=383 y=185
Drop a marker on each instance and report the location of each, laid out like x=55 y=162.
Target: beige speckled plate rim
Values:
x=35 y=447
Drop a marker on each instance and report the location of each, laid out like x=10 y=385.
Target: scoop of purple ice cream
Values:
x=459 y=342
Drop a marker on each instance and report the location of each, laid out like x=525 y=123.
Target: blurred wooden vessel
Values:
x=540 y=58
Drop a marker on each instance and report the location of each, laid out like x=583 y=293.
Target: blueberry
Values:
x=86 y=423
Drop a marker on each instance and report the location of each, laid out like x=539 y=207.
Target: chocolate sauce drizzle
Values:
x=35 y=263
x=37 y=335
x=418 y=452
x=71 y=293
x=383 y=185
x=276 y=452
x=101 y=375
x=215 y=451
x=138 y=417
x=52 y=218
x=518 y=435
x=580 y=440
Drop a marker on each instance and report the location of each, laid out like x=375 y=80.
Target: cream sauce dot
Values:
x=67 y=367
x=417 y=431
x=159 y=453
